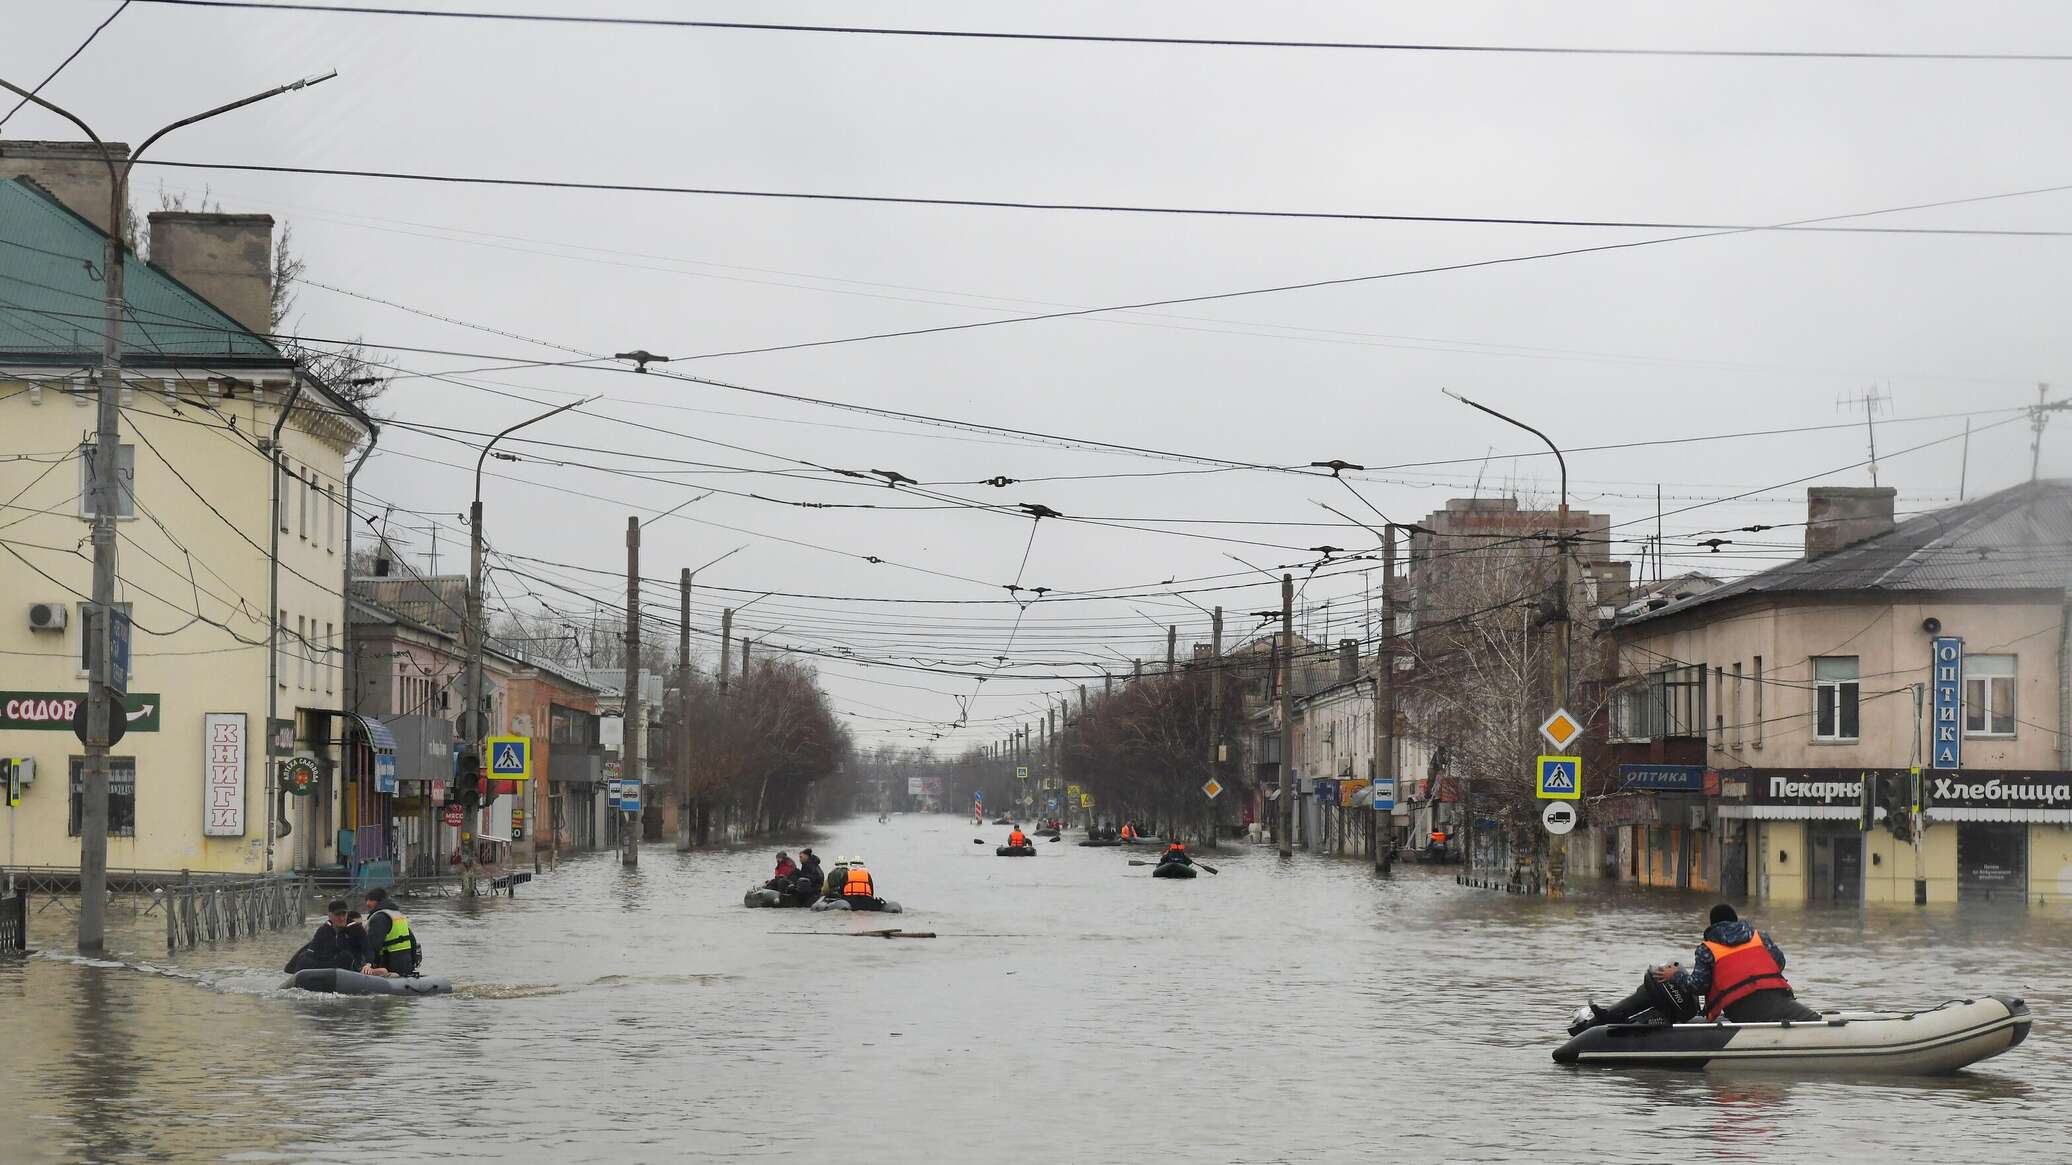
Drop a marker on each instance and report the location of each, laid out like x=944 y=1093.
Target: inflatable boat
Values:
x=764 y=896
x=334 y=981
x=886 y=905
x=1100 y=841
x=1932 y=1042
x=1173 y=870
x=1014 y=851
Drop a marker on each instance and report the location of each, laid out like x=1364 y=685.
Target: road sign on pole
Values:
x=1561 y=778
x=510 y=758
x=1021 y=772
x=1211 y=788
x=118 y=651
x=1561 y=729
x=1559 y=817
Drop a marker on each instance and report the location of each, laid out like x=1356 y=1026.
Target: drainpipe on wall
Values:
x=351 y=673
x=273 y=611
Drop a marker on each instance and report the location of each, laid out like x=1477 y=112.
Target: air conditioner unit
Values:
x=48 y=616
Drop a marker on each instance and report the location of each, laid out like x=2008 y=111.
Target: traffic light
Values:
x=1898 y=799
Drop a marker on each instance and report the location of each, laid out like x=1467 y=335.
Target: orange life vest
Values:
x=1017 y=838
x=858 y=884
x=1739 y=972
x=1128 y=833
x=1176 y=849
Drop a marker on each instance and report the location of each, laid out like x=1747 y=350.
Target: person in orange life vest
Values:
x=1176 y=855
x=1017 y=837
x=856 y=883
x=1129 y=831
x=1740 y=971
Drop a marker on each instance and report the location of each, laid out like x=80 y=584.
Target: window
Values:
x=1834 y=697
x=330 y=637
x=87 y=637
x=1758 y=701
x=280 y=649
x=330 y=520
x=1719 y=703
x=1989 y=695
x=122 y=795
x=302 y=487
x=125 y=481
x=1668 y=702
x=1740 y=683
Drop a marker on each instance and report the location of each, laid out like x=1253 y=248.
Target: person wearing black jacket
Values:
x=337 y=943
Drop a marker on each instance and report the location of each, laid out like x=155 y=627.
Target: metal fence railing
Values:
x=14 y=922
x=217 y=911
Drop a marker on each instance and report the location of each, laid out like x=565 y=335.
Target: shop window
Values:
x=1835 y=697
x=1989 y=695
x=122 y=795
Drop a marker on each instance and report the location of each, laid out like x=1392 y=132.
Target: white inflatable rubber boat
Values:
x=334 y=981
x=886 y=905
x=1931 y=1042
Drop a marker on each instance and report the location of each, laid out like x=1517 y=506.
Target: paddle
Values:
x=978 y=841
x=1203 y=865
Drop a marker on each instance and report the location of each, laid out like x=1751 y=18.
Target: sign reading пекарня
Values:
x=53 y=711
x=1970 y=789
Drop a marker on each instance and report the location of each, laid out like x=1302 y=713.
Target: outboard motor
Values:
x=1663 y=1001
x=1673 y=999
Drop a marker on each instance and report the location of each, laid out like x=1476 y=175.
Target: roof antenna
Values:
x=1871 y=400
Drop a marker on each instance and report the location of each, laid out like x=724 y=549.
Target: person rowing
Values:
x=1016 y=839
x=1175 y=855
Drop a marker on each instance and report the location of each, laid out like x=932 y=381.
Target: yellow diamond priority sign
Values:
x=1561 y=729
x=1211 y=788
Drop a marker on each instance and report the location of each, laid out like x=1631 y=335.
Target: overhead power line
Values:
x=73 y=56
x=1111 y=39
x=1806 y=226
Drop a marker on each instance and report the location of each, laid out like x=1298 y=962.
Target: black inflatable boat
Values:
x=1014 y=851
x=334 y=981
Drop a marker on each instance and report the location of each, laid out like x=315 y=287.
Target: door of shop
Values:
x=1992 y=861
x=1734 y=864
x=1837 y=866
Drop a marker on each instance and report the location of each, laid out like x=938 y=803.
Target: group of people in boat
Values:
x=1127 y=831
x=804 y=880
x=380 y=943
x=1737 y=970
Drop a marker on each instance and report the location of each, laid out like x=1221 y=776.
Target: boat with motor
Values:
x=338 y=981
x=1002 y=821
x=1930 y=1042
x=1173 y=870
x=1014 y=851
x=1102 y=842
x=1142 y=841
x=886 y=905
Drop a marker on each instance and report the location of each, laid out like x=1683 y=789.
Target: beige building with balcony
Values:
x=1752 y=714
x=217 y=490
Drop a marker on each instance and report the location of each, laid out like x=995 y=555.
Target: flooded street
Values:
x=1071 y=1009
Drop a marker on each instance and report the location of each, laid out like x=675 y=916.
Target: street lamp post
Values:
x=1559 y=848
x=477 y=727
x=100 y=698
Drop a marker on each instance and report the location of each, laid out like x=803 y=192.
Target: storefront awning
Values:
x=2061 y=816
x=383 y=743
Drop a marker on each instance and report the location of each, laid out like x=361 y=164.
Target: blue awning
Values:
x=378 y=735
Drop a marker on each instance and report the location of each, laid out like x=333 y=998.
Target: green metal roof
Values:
x=50 y=296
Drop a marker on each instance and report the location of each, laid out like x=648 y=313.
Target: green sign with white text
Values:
x=53 y=711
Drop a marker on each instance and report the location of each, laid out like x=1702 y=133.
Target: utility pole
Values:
x=726 y=649
x=1172 y=645
x=683 y=712
x=1287 y=715
x=1385 y=703
x=629 y=750
x=1215 y=715
x=106 y=492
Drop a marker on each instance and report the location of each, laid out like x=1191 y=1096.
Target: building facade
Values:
x=1752 y=716
x=230 y=537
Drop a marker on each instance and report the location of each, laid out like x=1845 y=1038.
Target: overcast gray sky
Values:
x=1718 y=335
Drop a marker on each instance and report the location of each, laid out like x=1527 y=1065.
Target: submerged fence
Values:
x=216 y=911
x=14 y=922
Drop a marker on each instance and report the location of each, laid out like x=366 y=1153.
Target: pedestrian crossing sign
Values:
x=510 y=758
x=1561 y=778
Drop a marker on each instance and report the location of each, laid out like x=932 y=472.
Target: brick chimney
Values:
x=1840 y=516
x=1348 y=660
x=226 y=258
x=73 y=172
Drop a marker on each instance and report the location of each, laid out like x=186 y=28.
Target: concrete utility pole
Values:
x=629 y=749
x=1385 y=700
x=683 y=713
x=1215 y=715
x=1172 y=646
x=1288 y=715
x=106 y=492
x=726 y=650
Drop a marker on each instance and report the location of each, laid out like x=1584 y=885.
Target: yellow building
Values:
x=218 y=488
x=1938 y=643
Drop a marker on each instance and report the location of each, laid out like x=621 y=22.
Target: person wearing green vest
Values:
x=392 y=949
